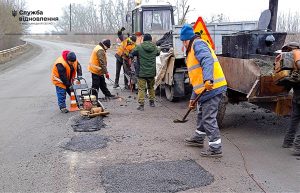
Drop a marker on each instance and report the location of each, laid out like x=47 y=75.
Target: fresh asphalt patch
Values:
x=86 y=142
x=170 y=176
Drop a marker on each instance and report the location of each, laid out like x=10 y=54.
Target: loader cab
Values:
x=153 y=19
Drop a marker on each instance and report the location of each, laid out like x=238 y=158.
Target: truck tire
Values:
x=221 y=110
x=169 y=90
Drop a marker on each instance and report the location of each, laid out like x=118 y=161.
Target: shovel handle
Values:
x=198 y=97
x=194 y=102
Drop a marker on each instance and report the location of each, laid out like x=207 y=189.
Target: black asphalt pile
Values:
x=171 y=176
x=86 y=142
x=85 y=124
x=266 y=67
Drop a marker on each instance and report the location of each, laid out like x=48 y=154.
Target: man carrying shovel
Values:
x=206 y=76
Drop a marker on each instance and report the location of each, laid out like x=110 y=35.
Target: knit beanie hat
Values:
x=71 y=57
x=64 y=54
x=187 y=32
x=106 y=43
x=147 y=37
x=133 y=38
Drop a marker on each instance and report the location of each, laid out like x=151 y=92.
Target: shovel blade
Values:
x=180 y=121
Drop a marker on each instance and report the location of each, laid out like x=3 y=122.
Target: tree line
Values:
x=10 y=27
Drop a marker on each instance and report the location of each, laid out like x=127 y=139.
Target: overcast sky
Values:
x=235 y=10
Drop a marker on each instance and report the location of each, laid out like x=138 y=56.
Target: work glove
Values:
x=107 y=76
x=123 y=29
x=70 y=89
x=191 y=106
x=79 y=77
x=208 y=85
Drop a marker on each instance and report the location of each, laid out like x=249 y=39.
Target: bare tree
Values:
x=289 y=22
x=182 y=9
x=105 y=17
x=218 y=18
x=11 y=29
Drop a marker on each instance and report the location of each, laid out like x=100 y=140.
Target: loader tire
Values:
x=221 y=110
x=169 y=90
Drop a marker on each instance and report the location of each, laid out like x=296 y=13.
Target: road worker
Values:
x=204 y=72
x=292 y=136
x=145 y=69
x=122 y=57
x=63 y=73
x=98 y=68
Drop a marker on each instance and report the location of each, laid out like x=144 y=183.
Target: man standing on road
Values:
x=293 y=130
x=98 y=68
x=63 y=73
x=122 y=57
x=145 y=69
x=205 y=72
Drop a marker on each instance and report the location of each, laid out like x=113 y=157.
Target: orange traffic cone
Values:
x=73 y=104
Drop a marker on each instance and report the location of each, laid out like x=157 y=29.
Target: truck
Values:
x=247 y=60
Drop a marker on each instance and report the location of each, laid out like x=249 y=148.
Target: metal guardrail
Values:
x=9 y=51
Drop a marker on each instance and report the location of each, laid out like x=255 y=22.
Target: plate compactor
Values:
x=89 y=104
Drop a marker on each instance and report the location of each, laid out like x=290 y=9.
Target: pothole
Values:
x=85 y=124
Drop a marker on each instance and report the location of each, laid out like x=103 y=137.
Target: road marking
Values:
x=72 y=182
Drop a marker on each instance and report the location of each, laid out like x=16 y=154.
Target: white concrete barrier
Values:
x=8 y=52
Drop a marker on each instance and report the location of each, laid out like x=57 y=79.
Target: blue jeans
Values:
x=61 y=97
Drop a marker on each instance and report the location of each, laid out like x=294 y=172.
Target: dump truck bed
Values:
x=253 y=79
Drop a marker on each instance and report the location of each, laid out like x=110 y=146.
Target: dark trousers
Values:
x=119 y=64
x=293 y=130
x=207 y=122
x=99 y=82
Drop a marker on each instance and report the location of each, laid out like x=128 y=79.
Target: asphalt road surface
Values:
x=136 y=151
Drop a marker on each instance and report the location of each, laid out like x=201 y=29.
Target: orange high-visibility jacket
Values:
x=55 y=77
x=94 y=64
x=124 y=49
x=195 y=71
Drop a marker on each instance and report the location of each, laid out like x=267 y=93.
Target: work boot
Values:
x=64 y=110
x=151 y=103
x=110 y=96
x=116 y=86
x=211 y=153
x=195 y=141
x=140 y=107
x=296 y=152
x=287 y=144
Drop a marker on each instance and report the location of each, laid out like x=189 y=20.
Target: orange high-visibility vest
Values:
x=195 y=71
x=124 y=48
x=94 y=64
x=55 y=75
x=296 y=53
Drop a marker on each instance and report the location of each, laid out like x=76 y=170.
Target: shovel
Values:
x=183 y=120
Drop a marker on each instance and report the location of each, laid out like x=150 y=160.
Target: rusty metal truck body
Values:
x=247 y=62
